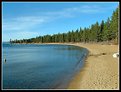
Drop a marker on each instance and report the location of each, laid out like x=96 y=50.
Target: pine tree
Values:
x=115 y=24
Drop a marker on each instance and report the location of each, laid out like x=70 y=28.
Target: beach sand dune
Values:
x=101 y=70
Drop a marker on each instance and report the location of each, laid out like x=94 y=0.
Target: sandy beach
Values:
x=101 y=70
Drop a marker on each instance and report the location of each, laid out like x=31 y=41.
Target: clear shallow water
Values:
x=32 y=66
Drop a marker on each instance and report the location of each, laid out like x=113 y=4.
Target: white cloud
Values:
x=88 y=9
x=92 y=9
x=72 y=12
x=32 y=19
x=22 y=23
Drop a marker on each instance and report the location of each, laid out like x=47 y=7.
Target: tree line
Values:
x=106 y=31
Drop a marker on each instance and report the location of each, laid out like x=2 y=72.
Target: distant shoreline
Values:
x=106 y=43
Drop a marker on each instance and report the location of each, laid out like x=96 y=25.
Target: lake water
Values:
x=33 y=66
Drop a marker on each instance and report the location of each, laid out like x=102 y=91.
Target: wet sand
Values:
x=101 y=70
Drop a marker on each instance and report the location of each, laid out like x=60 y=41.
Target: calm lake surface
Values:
x=33 y=66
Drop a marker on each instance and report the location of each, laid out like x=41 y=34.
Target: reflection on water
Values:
x=31 y=66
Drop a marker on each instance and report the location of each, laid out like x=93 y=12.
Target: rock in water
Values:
x=5 y=60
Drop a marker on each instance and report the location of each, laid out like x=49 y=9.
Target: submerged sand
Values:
x=101 y=70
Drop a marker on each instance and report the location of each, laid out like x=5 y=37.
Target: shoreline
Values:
x=100 y=71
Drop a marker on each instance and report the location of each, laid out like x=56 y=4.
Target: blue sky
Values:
x=30 y=19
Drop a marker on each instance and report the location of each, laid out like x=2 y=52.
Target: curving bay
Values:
x=40 y=66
